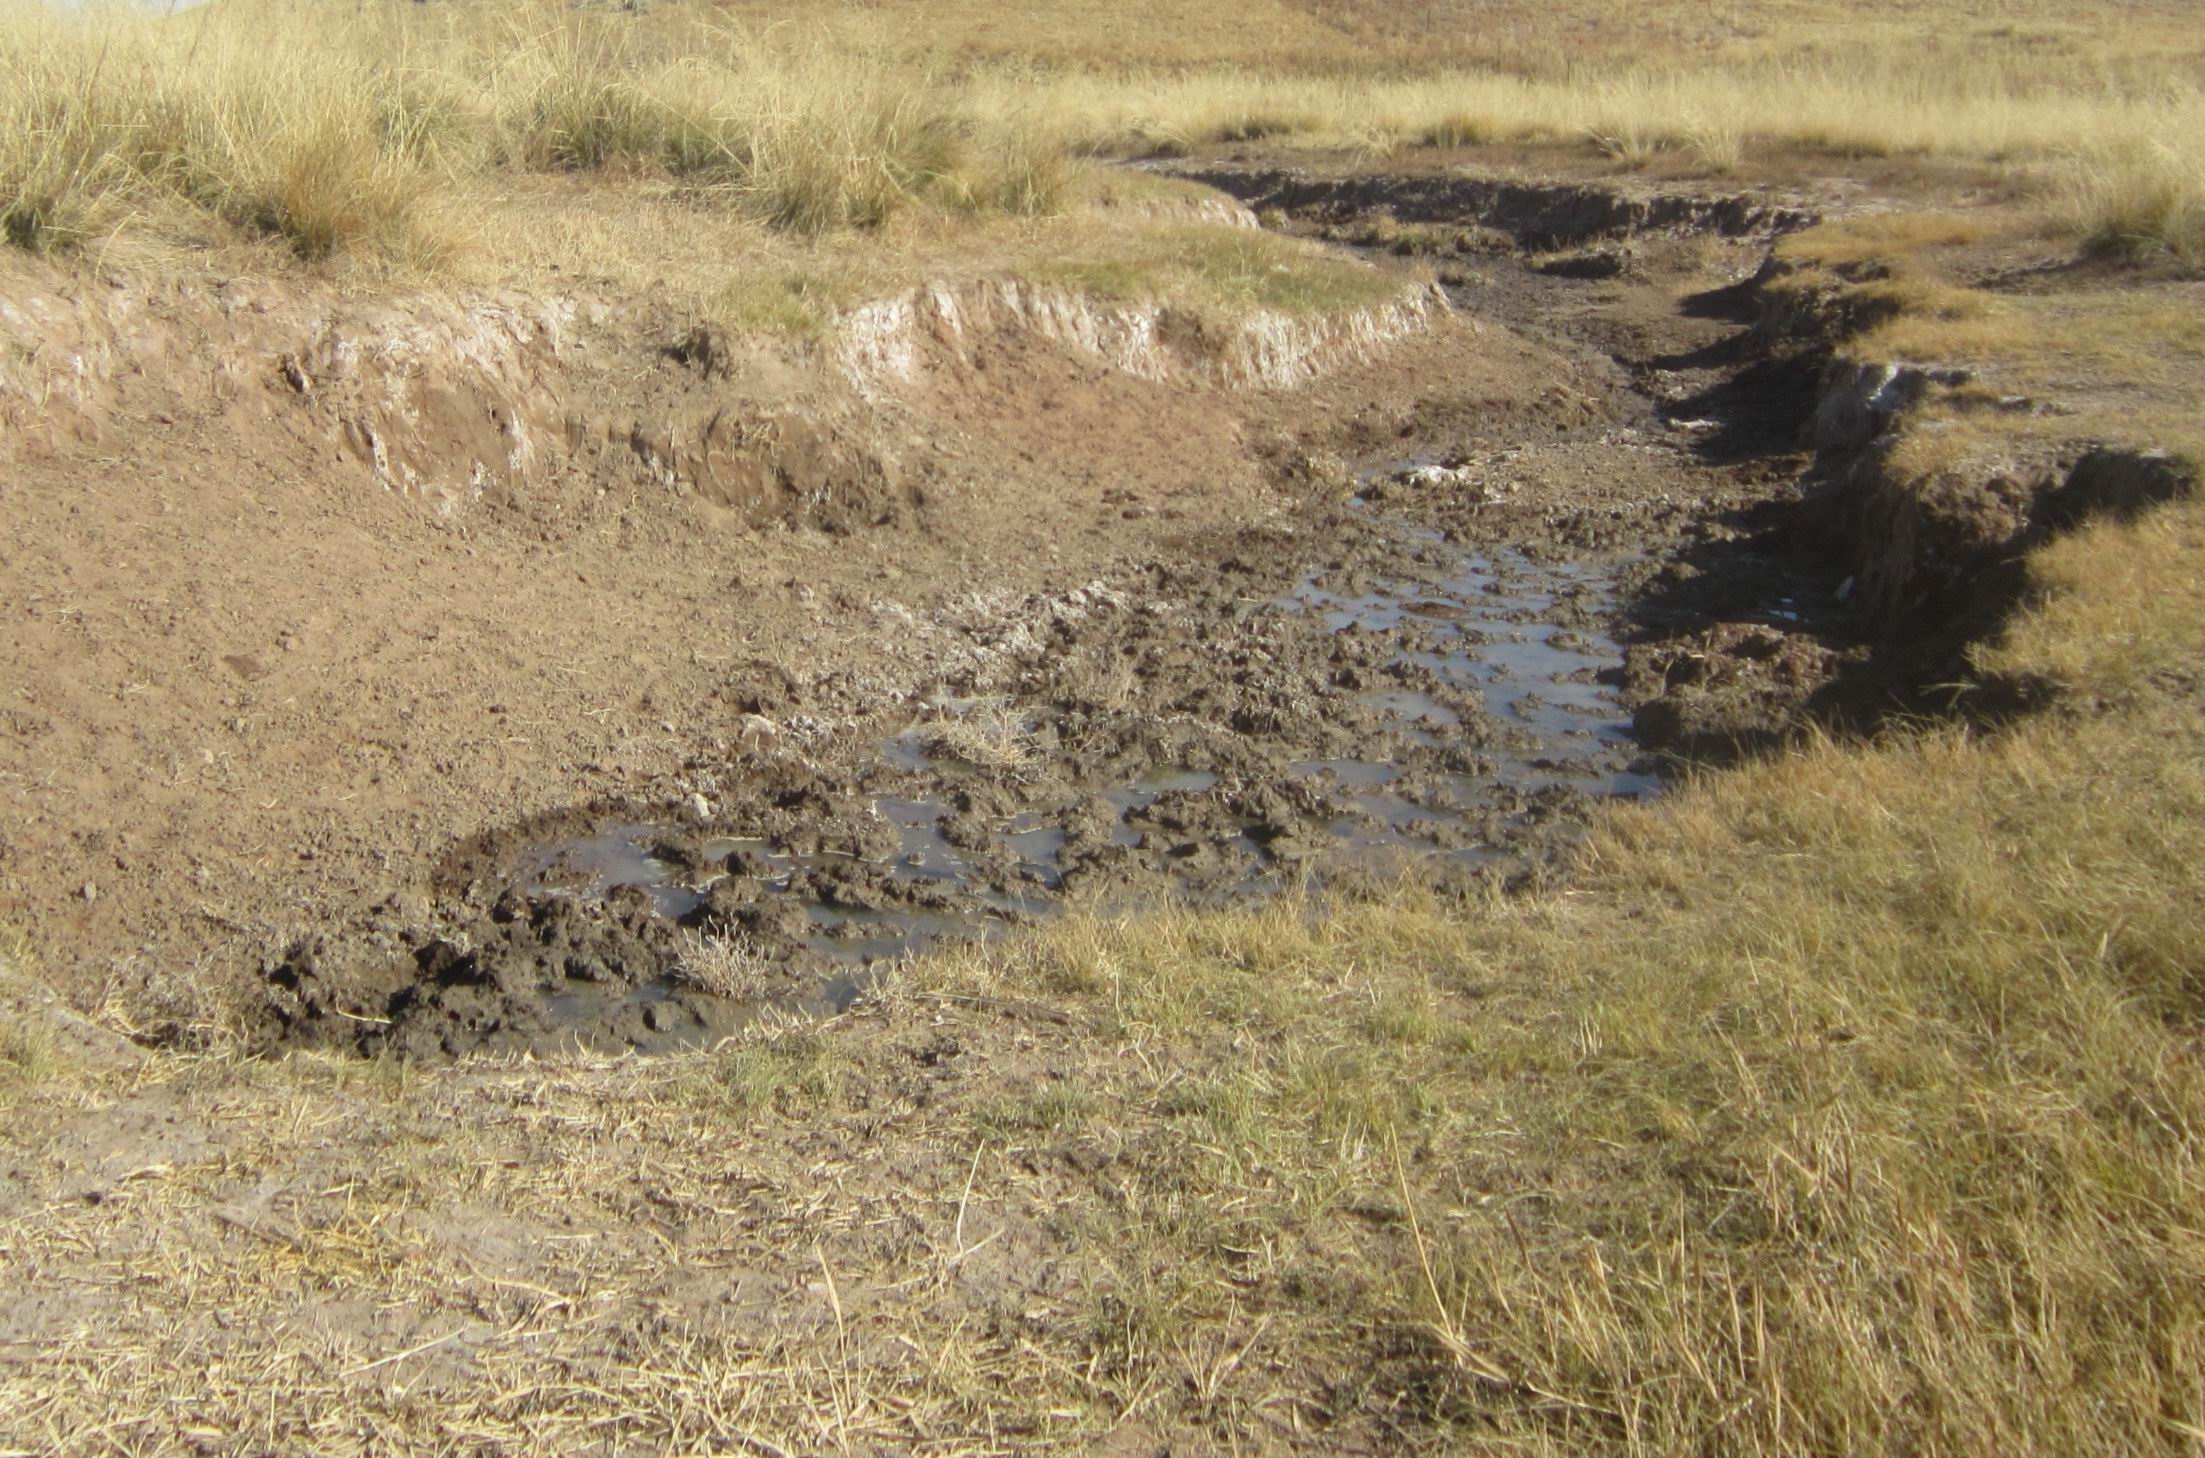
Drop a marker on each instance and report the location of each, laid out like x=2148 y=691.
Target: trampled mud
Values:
x=1405 y=706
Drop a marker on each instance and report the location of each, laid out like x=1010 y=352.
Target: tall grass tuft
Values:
x=779 y=129
x=108 y=116
x=337 y=135
x=1024 y=175
x=2141 y=202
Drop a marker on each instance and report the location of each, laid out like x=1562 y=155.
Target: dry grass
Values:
x=111 y=124
x=2116 y=621
x=1849 y=1102
x=2143 y=202
x=729 y=967
x=758 y=181
x=1854 y=110
x=1118 y=237
x=1990 y=80
x=2056 y=365
x=994 y=735
x=27 y=1052
x=1229 y=271
x=789 y=133
x=1883 y=241
x=369 y=133
x=786 y=1063
x=391 y=135
x=2023 y=44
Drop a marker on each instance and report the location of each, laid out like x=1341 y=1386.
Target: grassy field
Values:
x=1113 y=236
x=2131 y=358
x=391 y=134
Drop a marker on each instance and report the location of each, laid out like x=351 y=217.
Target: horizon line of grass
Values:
x=346 y=138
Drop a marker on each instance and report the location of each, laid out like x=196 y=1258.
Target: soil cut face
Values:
x=618 y=759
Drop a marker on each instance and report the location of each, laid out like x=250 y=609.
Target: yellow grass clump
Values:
x=108 y=122
x=27 y=1054
x=2143 y=201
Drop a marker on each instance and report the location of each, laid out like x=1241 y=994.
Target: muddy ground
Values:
x=613 y=763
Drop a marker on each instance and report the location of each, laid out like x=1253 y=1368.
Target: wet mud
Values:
x=1374 y=699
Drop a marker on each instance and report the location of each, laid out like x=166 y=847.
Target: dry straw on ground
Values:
x=727 y=967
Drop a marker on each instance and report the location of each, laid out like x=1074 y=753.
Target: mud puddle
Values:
x=1405 y=706
x=1500 y=627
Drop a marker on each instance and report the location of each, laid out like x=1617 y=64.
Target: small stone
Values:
x=90 y=892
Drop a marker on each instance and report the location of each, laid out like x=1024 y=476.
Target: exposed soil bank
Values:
x=1325 y=698
x=303 y=591
x=1536 y=216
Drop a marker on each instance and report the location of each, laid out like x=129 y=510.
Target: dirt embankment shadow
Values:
x=1852 y=600
x=1846 y=589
